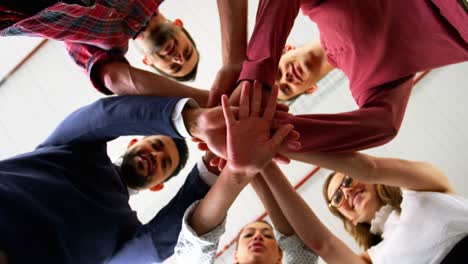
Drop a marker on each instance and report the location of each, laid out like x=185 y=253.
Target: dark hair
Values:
x=136 y=181
x=189 y=76
x=182 y=148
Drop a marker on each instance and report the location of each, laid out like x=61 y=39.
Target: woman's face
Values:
x=359 y=201
x=257 y=244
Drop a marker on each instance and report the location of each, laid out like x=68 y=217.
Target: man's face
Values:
x=154 y=157
x=168 y=48
x=297 y=74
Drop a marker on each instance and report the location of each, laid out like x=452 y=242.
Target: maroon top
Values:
x=378 y=44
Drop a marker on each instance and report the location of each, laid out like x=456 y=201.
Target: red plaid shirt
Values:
x=93 y=34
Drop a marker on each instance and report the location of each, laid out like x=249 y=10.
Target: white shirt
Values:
x=430 y=225
x=195 y=249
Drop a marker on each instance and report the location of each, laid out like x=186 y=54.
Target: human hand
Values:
x=251 y=129
x=224 y=83
x=207 y=158
x=235 y=97
x=208 y=128
x=211 y=134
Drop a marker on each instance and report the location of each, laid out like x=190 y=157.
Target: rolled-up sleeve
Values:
x=274 y=21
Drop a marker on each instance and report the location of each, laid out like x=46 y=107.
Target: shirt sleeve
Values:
x=294 y=251
x=155 y=241
x=192 y=248
x=375 y=123
x=96 y=24
x=90 y=58
x=177 y=118
x=207 y=176
x=274 y=21
x=116 y=116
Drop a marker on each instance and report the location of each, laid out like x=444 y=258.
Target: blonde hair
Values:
x=361 y=232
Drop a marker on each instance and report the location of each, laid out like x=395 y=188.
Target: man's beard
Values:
x=130 y=173
x=160 y=35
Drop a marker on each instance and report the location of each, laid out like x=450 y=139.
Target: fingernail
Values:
x=294 y=145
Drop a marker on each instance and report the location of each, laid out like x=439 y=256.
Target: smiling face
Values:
x=168 y=48
x=360 y=201
x=298 y=72
x=152 y=159
x=257 y=244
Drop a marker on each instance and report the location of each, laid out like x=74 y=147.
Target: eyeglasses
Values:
x=339 y=196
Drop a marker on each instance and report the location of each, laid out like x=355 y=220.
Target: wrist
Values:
x=233 y=64
x=206 y=160
x=191 y=120
x=202 y=97
x=238 y=176
x=267 y=169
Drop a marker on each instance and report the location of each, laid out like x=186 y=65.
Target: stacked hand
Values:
x=250 y=145
x=211 y=131
x=235 y=96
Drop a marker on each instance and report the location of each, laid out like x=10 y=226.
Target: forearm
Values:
x=305 y=223
x=415 y=175
x=274 y=21
x=213 y=208
x=123 y=79
x=233 y=20
x=357 y=165
x=375 y=123
x=274 y=211
x=296 y=210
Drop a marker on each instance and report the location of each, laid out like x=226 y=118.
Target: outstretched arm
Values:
x=415 y=175
x=274 y=211
x=249 y=128
x=375 y=123
x=124 y=79
x=111 y=117
x=111 y=73
x=154 y=242
x=233 y=20
x=212 y=210
x=305 y=223
x=274 y=21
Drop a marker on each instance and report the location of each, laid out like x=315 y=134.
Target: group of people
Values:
x=67 y=202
